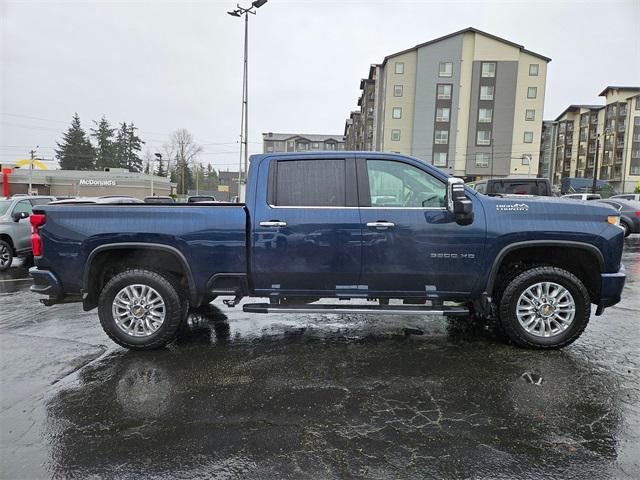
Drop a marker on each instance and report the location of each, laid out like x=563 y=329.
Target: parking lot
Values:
x=248 y=396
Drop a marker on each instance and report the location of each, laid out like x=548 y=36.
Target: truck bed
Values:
x=211 y=238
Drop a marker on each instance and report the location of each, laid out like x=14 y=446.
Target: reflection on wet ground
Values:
x=249 y=396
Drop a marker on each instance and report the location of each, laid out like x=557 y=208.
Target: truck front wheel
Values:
x=544 y=307
x=6 y=255
x=140 y=309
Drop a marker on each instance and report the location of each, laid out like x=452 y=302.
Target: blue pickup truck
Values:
x=383 y=227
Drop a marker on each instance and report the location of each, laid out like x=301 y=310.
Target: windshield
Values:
x=4 y=206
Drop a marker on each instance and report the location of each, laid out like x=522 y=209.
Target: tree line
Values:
x=106 y=146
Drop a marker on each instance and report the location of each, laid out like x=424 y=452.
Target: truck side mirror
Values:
x=458 y=203
x=20 y=216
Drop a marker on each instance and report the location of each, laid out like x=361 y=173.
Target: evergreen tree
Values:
x=105 y=147
x=134 y=144
x=75 y=152
x=211 y=180
x=120 y=147
x=127 y=148
x=160 y=171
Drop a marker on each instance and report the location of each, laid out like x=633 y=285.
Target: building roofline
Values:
x=617 y=87
x=460 y=32
x=578 y=107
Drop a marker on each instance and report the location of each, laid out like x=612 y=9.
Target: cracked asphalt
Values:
x=316 y=396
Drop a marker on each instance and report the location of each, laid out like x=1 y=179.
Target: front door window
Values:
x=397 y=184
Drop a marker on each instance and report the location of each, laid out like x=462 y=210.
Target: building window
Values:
x=485 y=115
x=315 y=146
x=532 y=92
x=440 y=159
x=526 y=159
x=530 y=115
x=637 y=103
x=442 y=137
x=482 y=159
x=444 y=92
x=399 y=68
x=484 y=137
x=488 y=69
x=396 y=112
x=442 y=114
x=269 y=149
x=533 y=70
x=528 y=137
x=397 y=90
x=446 y=69
x=486 y=92
x=395 y=135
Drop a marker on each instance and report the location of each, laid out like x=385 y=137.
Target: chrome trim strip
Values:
x=356 y=208
x=276 y=309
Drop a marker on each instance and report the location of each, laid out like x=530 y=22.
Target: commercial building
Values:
x=227 y=186
x=606 y=135
x=115 y=181
x=300 y=142
x=469 y=102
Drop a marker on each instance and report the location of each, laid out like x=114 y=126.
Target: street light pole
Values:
x=244 y=120
x=151 y=169
x=595 y=167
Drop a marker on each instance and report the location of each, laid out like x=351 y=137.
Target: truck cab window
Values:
x=398 y=184
x=309 y=183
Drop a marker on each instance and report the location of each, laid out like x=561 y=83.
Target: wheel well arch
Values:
x=7 y=238
x=107 y=260
x=582 y=259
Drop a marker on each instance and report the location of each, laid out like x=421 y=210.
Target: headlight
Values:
x=614 y=220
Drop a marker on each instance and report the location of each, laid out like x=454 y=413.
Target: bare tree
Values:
x=183 y=148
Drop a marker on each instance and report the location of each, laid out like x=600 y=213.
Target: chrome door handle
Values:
x=273 y=223
x=380 y=224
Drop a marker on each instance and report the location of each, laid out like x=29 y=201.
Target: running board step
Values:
x=379 y=309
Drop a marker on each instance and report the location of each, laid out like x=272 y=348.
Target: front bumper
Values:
x=45 y=282
x=611 y=285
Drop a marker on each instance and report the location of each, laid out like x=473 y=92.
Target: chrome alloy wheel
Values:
x=138 y=310
x=5 y=256
x=545 y=309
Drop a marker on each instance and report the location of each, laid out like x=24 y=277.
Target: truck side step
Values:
x=379 y=309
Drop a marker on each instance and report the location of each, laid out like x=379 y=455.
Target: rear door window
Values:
x=308 y=183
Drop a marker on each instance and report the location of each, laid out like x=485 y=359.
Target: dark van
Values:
x=514 y=186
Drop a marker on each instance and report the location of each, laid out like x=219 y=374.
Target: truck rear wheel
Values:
x=544 y=307
x=140 y=309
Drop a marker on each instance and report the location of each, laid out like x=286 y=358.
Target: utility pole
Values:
x=595 y=167
x=244 y=121
x=33 y=156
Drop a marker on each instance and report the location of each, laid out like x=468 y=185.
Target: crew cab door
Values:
x=412 y=245
x=306 y=226
x=22 y=228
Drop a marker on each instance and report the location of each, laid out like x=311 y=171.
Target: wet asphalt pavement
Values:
x=322 y=396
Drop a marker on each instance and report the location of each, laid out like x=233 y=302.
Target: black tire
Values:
x=6 y=256
x=627 y=229
x=507 y=304
x=174 y=309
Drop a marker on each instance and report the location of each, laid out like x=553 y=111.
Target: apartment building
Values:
x=609 y=132
x=469 y=102
x=547 y=146
x=300 y=142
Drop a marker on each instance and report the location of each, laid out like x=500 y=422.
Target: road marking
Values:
x=15 y=280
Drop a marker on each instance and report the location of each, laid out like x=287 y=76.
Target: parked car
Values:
x=585 y=185
x=159 y=199
x=582 y=196
x=628 y=196
x=514 y=186
x=312 y=228
x=15 y=231
x=200 y=198
x=106 y=199
x=629 y=211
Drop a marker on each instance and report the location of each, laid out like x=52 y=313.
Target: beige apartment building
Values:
x=469 y=102
x=608 y=132
x=300 y=142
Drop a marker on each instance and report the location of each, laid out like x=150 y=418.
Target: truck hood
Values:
x=552 y=206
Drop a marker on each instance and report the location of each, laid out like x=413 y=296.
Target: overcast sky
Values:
x=178 y=64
